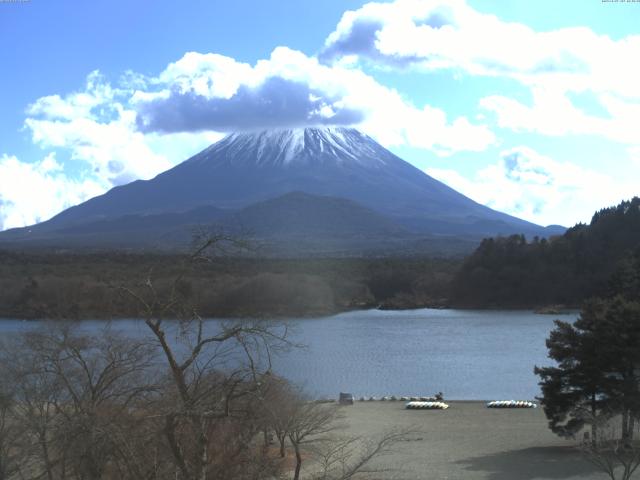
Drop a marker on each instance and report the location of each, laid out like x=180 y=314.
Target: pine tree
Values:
x=598 y=371
x=573 y=393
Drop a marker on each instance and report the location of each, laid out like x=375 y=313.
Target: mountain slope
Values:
x=302 y=214
x=295 y=224
x=245 y=168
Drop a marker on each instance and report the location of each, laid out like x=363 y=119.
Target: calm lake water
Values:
x=467 y=354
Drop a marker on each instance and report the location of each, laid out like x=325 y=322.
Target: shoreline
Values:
x=305 y=315
x=456 y=401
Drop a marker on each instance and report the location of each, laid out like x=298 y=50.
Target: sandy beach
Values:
x=469 y=441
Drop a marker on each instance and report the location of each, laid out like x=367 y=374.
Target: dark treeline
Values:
x=504 y=272
x=81 y=285
x=564 y=270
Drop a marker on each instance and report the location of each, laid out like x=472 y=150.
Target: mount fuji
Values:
x=329 y=185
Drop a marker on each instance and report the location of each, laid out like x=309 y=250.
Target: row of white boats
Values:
x=511 y=404
x=430 y=405
x=438 y=400
x=426 y=406
x=393 y=398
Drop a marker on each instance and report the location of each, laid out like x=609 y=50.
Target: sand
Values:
x=469 y=441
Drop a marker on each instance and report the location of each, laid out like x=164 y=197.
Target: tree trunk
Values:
x=625 y=426
x=202 y=446
x=632 y=426
x=45 y=453
x=170 y=435
x=282 y=450
x=296 y=475
x=594 y=427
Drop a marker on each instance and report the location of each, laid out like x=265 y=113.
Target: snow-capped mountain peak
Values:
x=284 y=147
x=249 y=167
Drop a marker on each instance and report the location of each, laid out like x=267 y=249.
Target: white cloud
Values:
x=98 y=128
x=34 y=192
x=451 y=35
x=206 y=91
x=537 y=188
x=553 y=114
x=97 y=95
x=112 y=130
x=634 y=155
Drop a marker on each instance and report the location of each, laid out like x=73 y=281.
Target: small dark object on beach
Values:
x=346 y=399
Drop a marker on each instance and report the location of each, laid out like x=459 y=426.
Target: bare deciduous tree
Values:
x=190 y=400
x=280 y=400
x=214 y=368
x=74 y=395
x=309 y=422
x=344 y=459
x=11 y=435
x=313 y=430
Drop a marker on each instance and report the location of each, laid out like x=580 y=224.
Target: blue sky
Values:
x=528 y=107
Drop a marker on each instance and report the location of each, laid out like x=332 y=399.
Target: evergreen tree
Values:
x=574 y=392
x=564 y=270
x=616 y=326
x=598 y=367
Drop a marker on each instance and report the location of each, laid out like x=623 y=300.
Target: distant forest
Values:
x=504 y=272
x=564 y=270
x=89 y=285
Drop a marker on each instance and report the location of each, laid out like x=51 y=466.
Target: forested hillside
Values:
x=76 y=285
x=564 y=270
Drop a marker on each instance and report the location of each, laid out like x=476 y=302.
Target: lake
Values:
x=466 y=354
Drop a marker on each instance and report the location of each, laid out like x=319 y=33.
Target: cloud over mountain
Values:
x=290 y=89
x=138 y=126
x=211 y=92
x=277 y=102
